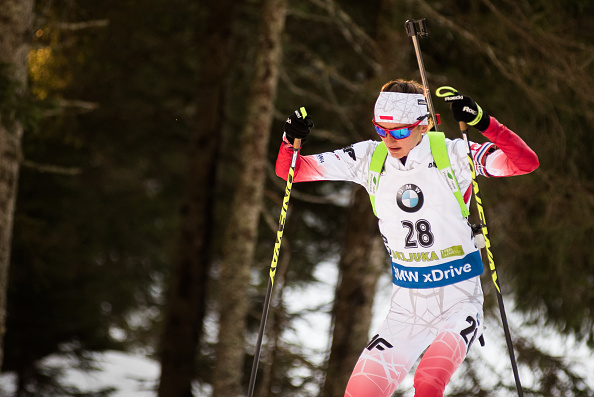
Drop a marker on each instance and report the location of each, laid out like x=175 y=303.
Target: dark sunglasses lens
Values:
x=380 y=131
x=401 y=133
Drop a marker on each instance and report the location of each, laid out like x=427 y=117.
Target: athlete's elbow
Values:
x=279 y=172
x=531 y=165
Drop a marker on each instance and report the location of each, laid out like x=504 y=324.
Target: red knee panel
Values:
x=438 y=364
x=376 y=374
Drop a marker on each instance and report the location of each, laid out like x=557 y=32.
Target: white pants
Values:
x=445 y=321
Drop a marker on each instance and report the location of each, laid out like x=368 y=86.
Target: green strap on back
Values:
x=378 y=158
x=442 y=160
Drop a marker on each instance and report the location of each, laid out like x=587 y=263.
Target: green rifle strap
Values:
x=378 y=158
x=442 y=160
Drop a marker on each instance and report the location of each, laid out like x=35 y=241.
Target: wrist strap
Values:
x=478 y=117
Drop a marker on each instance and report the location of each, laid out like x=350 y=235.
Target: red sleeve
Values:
x=283 y=160
x=513 y=157
x=306 y=169
x=505 y=155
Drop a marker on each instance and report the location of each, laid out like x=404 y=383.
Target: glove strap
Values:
x=478 y=117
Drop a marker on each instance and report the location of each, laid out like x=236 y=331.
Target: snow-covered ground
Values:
x=132 y=376
x=137 y=376
x=128 y=375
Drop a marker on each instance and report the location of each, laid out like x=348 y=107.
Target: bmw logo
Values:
x=409 y=198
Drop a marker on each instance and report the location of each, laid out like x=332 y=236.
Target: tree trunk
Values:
x=16 y=19
x=186 y=306
x=360 y=269
x=241 y=233
x=362 y=261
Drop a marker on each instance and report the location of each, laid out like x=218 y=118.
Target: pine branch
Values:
x=51 y=169
x=80 y=106
x=356 y=36
x=486 y=49
x=75 y=26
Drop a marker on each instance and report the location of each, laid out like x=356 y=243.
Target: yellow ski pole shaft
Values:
x=449 y=91
x=483 y=220
x=273 y=264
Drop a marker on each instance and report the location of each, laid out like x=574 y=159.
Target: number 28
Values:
x=419 y=233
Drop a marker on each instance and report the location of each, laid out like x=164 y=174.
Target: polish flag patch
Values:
x=400 y=107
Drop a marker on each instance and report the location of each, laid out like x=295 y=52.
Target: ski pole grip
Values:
x=297 y=141
x=446 y=91
x=416 y=27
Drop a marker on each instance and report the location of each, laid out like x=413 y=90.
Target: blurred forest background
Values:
x=139 y=206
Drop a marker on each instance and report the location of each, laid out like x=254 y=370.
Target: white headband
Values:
x=401 y=108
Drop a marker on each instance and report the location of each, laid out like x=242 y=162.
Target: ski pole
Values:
x=273 y=264
x=449 y=91
x=416 y=28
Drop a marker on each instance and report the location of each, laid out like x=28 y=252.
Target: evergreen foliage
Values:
x=105 y=160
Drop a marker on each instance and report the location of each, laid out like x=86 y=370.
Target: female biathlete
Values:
x=437 y=299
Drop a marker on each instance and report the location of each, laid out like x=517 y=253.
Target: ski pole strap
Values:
x=442 y=160
x=446 y=90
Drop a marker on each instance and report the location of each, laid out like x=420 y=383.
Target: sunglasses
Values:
x=398 y=133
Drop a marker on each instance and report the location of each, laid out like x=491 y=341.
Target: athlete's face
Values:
x=400 y=148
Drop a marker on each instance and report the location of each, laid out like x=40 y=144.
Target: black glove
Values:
x=297 y=126
x=466 y=109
